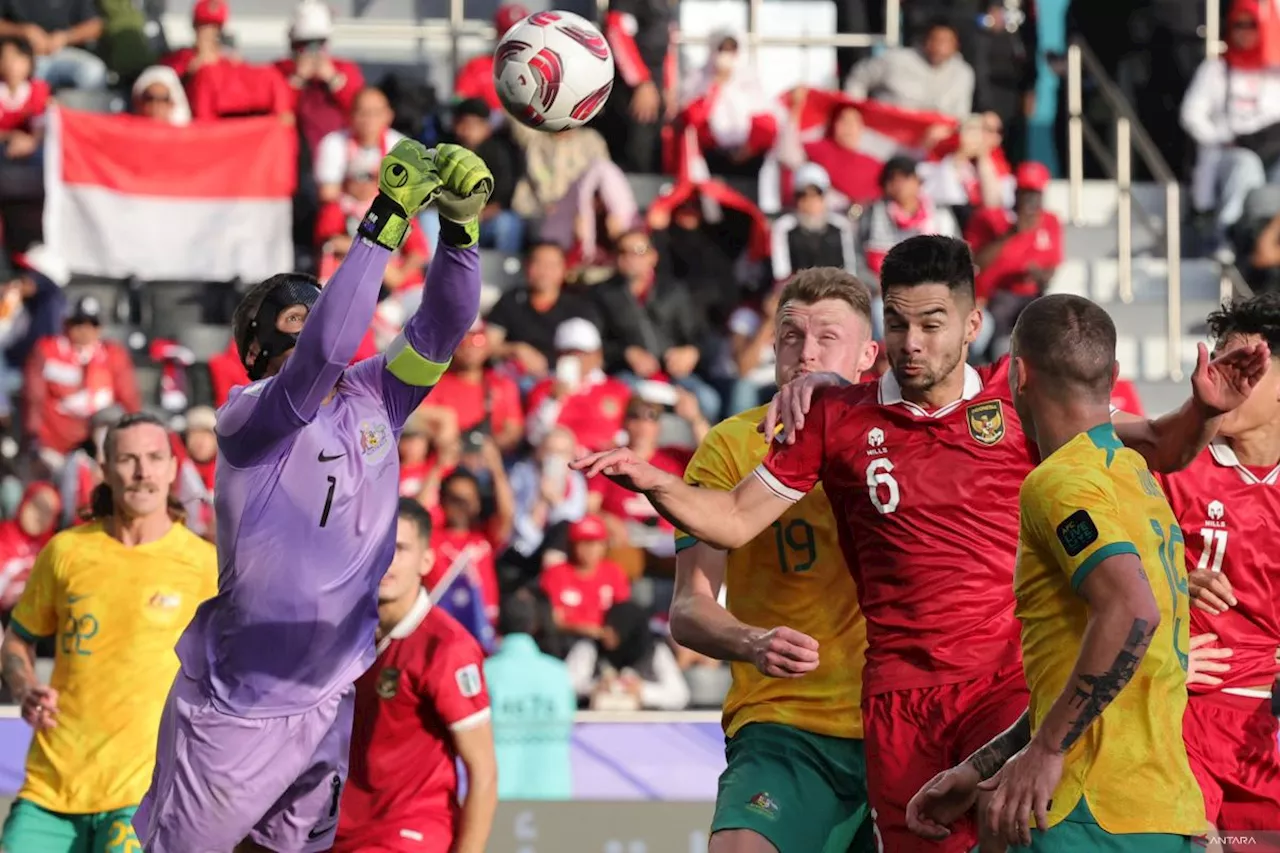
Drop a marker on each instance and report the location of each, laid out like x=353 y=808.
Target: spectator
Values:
x=580 y=396
x=933 y=78
x=423 y=431
x=854 y=175
x=905 y=211
x=651 y=327
x=593 y=214
x=468 y=536
x=23 y=101
x=236 y=89
x=553 y=161
x=522 y=324
x=31 y=306
x=479 y=396
x=1232 y=111
x=359 y=148
x=474 y=79
x=1006 y=66
x=1263 y=268
x=533 y=708
x=199 y=458
x=1016 y=252
x=751 y=351
x=83 y=470
x=158 y=95
x=548 y=497
x=70 y=378
x=627 y=668
x=694 y=248
x=736 y=122
x=810 y=235
x=1125 y=398
x=336 y=227
x=636 y=531
x=501 y=227
x=583 y=588
x=973 y=176
x=62 y=36
x=639 y=31
x=324 y=86
x=226 y=371
x=208 y=18
x=22 y=537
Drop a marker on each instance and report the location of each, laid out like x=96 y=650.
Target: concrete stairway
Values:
x=1092 y=270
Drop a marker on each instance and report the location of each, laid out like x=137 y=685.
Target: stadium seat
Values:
x=1263 y=203
x=109 y=293
x=199 y=385
x=91 y=102
x=173 y=306
x=148 y=376
x=204 y=341
x=500 y=270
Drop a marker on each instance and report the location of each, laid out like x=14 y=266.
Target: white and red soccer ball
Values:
x=553 y=71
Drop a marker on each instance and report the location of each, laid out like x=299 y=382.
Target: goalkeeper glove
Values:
x=466 y=184
x=407 y=182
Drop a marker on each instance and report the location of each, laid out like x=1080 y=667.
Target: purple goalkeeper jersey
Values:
x=306 y=495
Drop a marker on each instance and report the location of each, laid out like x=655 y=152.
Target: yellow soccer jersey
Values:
x=1090 y=500
x=115 y=614
x=794 y=575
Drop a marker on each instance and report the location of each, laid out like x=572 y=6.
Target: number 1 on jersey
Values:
x=1215 y=549
x=328 y=500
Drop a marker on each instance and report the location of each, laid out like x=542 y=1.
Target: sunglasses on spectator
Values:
x=805 y=192
x=644 y=415
x=456 y=499
x=1244 y=24
x=635 y=249
x=152 y=98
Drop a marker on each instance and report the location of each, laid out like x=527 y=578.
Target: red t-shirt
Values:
x=927 y=511
x=449 y=545
x=475 y=80
x=582 y=599
x=594 y=413
x=22 y=109
x=1229 y=515
x=1040 y=247
x=402 y=787
x=468 y=400
x=632 y=506
x=413 y=478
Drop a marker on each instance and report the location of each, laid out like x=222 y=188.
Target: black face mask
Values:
x=271 y=341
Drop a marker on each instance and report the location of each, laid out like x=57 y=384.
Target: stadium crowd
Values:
x=636 y=320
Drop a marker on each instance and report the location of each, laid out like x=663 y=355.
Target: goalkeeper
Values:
x=252 y=750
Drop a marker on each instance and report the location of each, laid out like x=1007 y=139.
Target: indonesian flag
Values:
x=887 y=130
x=212 y=201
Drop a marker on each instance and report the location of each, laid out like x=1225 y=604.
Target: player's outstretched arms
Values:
x=1206 y=662
x=1169 y=443
x=420 y=354
x=1123 y=616
x=721 y=519
x=339 y=318
x=945 y=798
x=792 y=402
x=698 y=621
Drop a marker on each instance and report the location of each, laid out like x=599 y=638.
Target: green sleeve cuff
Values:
x=412 y=367
x=1091 y=563
x=24 y=633
x=684 y=542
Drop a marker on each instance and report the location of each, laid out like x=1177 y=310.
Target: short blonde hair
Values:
x=819 y=283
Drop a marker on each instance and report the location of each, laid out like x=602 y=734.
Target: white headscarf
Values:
x=167 y=77
x=740 y=97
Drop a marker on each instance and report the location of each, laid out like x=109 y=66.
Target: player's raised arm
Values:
x=1170 y=442
x=307 y=351
x=418 y=357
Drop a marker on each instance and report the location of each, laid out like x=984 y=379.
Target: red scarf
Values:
x=1246 y=60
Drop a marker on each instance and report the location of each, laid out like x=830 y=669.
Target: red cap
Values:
x=209 y=13
x=1032 y=176
x=507 y=16
x=589 y=528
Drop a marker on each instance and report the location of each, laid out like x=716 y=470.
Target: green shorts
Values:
x=1080 y=832
x=804 y=793
x=32 y=829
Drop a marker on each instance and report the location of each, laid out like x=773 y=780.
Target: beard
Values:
x=929 y=376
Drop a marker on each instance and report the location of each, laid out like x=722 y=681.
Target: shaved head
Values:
x=1069 y=343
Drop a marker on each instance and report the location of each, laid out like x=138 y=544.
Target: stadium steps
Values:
x=205 y=340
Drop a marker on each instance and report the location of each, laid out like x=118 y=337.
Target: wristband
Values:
x=385 y=223
x=459 y=235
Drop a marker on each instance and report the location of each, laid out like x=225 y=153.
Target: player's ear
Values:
x=973 y=323
x=870 y=350
x=428 y=562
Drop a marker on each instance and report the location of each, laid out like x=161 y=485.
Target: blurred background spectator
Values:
x=627 y=667
x=62 y=35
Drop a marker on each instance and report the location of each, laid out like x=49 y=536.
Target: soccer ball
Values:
x=553 y=71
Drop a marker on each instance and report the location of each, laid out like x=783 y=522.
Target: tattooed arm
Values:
x=17 y=664
x=1123 y=616
x=988 y=759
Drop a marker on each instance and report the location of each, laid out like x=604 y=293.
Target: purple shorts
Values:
x=221 y=779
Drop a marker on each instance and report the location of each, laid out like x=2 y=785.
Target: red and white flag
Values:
x=887 y=130
x=126 y=196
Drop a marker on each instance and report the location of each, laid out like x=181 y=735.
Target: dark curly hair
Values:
x=1258 y=315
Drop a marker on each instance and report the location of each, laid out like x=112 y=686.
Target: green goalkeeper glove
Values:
x=466 y=184
x=407 y=182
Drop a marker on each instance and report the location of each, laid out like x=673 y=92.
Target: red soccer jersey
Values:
x=926 y=504
x=583 y=599
x=497 y=393
x=402 y=787
x=1229 y=515
x=594 y=413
